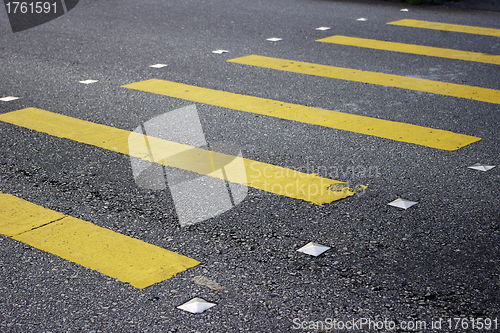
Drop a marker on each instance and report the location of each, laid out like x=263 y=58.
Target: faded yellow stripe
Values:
x=448 y=27
x=413 y=49
x=18 y=216
x=424 y=136
x=263 y=176
x=403 y=82
x=118 y=256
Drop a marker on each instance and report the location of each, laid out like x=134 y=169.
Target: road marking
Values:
x=88 y=81
x=118 y=256
x=8 y=98
x=447 y=27
x=262 y=176
x=413 y=49
x=387 y=129
x=158 y=66
x=403 y=82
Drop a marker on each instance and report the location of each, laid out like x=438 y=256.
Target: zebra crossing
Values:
x=298 y=184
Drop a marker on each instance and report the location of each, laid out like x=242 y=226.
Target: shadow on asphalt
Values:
x=487 y=5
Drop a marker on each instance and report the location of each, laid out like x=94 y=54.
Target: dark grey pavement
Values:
x=437 y=260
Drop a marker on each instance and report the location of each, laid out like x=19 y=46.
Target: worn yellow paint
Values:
x=413 y=49
x=118 y=256
x=18 y=216
x=263 y=176
x=404 y=132
x=447 y=27
x=403 y=82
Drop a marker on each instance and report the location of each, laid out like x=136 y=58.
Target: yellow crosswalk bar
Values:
x=403 y=82
x=118 y=256
x=413 y=49
x=392 y=130
x=259 y=175
x=448 y=27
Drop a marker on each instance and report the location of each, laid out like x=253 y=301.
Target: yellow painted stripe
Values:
x=448 y=27
x=263 y=176
x=413 y=49
x=18 y=216
x=403 y=82
x=424 y=136
x=118 y=256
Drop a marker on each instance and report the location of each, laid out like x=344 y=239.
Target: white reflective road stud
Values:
x=401 y=203
x=88 y=81
x=8 y=98
x=323 y=28
x=220 y=51
x=158 y=66
x=274 y=39
x=196 y=305
x=481 y=167
x=313 y=249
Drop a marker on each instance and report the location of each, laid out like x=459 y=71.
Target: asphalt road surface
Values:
x=124 y=197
